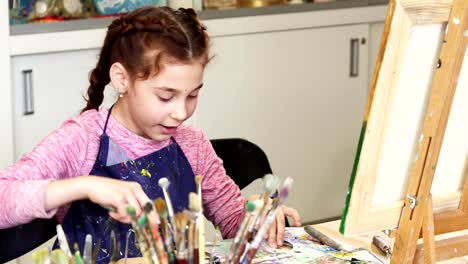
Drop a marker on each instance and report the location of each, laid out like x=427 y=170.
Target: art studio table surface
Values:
x=306 y=249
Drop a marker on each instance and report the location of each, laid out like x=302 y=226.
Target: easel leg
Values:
x=428 y=234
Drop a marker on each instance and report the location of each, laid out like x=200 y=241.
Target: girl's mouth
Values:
x=169 y=129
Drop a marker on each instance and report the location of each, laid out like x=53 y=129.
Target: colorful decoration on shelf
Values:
x=44 y=11
x=109 y=7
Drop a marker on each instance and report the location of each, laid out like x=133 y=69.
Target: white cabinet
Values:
x=291 y=93
x=47 y=90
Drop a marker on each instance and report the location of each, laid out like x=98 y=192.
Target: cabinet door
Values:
x=291 y=93
x=47 y=90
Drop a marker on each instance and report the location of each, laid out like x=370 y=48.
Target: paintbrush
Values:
x=168 y=238
x=191 y=238
x=194 y=206
x=88 y=247
x=251 y=250
x=271 y=183
x=96 y=250
x=245 y=237
x=63 y=241
x=164 y=184
x=127 y=239
x=153 y=231
x=200 y=221
x=139 y=235
x=249 y=208
x=114 y=250
x=78 y=259
x=143 y=222
x=250 y=229
x=324 y=239
x=181 y=224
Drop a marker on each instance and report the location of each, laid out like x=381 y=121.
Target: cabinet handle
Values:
x=354 y=58
x=28 y=92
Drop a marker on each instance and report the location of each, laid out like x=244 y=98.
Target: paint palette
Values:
x=300 y=247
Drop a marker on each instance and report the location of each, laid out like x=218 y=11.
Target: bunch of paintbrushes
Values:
x=172 y=237
x=165 y=237
x=258 y=217
x=162 y=236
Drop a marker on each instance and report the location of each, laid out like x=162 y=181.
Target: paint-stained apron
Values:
x=85 y=217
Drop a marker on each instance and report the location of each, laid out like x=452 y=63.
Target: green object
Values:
x=250 y=206
x=78 y=259
x=131 y=210
x=353 y=176
x=142 y=220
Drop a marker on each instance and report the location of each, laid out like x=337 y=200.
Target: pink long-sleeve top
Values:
x=71 y=151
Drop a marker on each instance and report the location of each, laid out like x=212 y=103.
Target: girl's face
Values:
x=156 y=107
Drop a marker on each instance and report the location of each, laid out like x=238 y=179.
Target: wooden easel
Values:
x=417 y=216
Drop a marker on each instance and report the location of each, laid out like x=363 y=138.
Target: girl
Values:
x=155 y=58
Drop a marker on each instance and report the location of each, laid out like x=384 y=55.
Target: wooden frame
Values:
x=360 y=214
x=417 y=218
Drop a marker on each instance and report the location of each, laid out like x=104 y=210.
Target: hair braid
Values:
x=99 y=77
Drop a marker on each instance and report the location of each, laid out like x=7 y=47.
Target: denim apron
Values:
x=85 y=217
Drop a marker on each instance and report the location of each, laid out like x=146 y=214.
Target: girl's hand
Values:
x=276 y=231
x=117 y=194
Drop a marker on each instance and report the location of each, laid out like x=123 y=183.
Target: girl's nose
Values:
x=180 y=112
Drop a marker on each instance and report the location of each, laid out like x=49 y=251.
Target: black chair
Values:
x=244 y=162
x=19 y=240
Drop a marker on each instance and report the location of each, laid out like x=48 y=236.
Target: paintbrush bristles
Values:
x=164 y=183
x=194 y=203
x=181 y=220
x=284 y=191
x=198 y=179
x=271 y=183
x=160 y=205
x=148 y=207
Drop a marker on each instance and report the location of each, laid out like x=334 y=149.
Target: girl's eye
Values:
x=194 y=95
x=165 y=99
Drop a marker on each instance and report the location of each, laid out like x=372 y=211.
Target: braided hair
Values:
x=140 y=39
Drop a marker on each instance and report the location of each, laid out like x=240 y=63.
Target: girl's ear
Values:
x=119 y=77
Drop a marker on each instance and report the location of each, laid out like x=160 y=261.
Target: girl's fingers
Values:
x=291 y=212
x=272 y=235
x=132 y=200
x=279 y=227
x=119 y=217
x=119 y=206
x=140 y=196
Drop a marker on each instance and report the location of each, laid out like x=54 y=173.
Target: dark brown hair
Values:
x=141 y=39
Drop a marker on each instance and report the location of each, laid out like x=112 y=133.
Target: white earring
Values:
x=121 y=95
